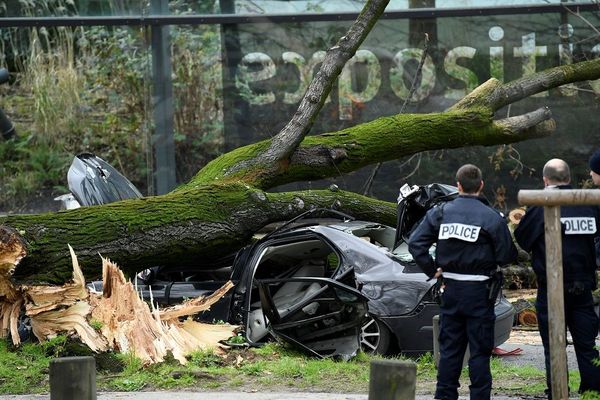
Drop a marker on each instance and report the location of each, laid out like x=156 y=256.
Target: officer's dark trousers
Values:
x=466 y=316
x=582 y=321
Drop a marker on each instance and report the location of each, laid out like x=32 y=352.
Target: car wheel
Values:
x=375 y=337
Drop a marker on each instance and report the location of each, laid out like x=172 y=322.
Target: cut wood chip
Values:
x=527 y=317
x=47 y=298
x=515 y=215
x=9 y=317
x=56 y=309
x=49 y=324
x=206 y=333
x=194 y=306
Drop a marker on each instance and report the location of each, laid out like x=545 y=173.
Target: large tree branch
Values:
x=545 y=80
x=537 y=123
x=384 y=139
x=288 y=139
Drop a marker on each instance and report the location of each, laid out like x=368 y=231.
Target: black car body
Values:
x=330 y=286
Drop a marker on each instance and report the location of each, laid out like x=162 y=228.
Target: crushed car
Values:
x=330 y=286
x=328 y=283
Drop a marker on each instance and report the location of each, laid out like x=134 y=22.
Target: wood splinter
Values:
x=117 y=319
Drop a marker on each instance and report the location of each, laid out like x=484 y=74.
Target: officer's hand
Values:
x=438 y=273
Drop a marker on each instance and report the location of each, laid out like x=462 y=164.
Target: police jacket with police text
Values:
x=579 y=226
x=472 y=238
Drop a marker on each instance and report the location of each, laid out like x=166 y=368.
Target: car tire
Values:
x=375 y=336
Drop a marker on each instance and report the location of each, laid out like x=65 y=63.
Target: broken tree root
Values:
x=117 y=319
x=12 y=250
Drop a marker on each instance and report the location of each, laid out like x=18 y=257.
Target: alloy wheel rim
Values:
x=370 y=335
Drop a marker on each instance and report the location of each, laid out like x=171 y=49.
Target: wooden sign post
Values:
x=551 y=200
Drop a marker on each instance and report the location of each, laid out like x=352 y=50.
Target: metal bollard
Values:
x=392 y=380
x=73 y=378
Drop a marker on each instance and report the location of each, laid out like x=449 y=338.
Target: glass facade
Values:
x=95 y=8
x=336 y=6
x=89 y=87
x=464 y=52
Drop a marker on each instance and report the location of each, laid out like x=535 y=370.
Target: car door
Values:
x=325 y=320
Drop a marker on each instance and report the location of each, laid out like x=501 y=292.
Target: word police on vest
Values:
x=579 y=225
x=468 y=233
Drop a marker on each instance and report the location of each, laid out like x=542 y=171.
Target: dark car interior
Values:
x=310 y=258
x=293 y=291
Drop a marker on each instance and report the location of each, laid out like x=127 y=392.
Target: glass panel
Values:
x=99 y=79
x=275 y=63
x=60 y=8
x=197 y=82
x=72 y=90
x=64 y=8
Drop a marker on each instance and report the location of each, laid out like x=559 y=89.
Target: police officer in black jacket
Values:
x=472 y=240
x=580 y=225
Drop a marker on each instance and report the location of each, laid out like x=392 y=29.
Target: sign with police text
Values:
x=467 y=233
x=579 y=225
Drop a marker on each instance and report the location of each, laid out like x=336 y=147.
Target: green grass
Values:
x=271 y=367
x=25 y=370
x=523 y=380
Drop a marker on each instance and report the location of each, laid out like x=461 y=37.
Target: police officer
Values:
x=472 y=240
x=595 y=168
x=595 y=175
x=580 y=226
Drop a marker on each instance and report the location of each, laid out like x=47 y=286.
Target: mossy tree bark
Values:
x=225 y=203
x=179 y=228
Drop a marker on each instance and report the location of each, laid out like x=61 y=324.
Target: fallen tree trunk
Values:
x=176 y=229
x=224 y=204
